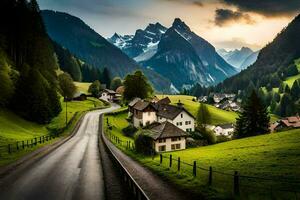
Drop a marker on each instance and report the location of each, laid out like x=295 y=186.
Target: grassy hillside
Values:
x=218 y=116
x=13 y=128
x=291 y=80
x=82 y=87
x=272 y=158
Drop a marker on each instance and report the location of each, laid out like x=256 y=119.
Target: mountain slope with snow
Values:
x=176 y=53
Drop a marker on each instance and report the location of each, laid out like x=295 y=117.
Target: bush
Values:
x=208 y=135
x=222 y=138
x=144 y=143
x=129 y=131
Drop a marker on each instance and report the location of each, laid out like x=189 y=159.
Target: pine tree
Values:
x=295 y=90
x=106 y=77
x=115 y=83
x=254 y=118
x=203 y=116
x=94 y=88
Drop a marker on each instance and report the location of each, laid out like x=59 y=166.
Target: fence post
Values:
x=35 y=141
x=178 y=164
x=40 y=140
x=160 y=160
x=236 y=183
x=17 y=145
x=9 y=148
x=27 y=143
x=170 y=161
x=195 y=169
x=210 y=176
x=23 y=145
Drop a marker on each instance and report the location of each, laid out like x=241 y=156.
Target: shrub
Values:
x=144 y=143
x=129 y=131
x=208 y=135
x=222 y=138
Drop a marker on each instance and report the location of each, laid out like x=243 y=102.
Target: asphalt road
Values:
x=72 y=171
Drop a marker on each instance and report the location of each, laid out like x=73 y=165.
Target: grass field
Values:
x=274 y=156
x=13 y=128
x=292 y=79
x=83 y=87
x=218 y=116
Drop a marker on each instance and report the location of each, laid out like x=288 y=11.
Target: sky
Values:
x=226 y=24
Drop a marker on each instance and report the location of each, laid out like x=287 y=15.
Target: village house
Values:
x=286 y=123
x=224 y=130
x=108 y=95
x=145 y=113
x=79 y=96
x=167 y=137
x=176 y=115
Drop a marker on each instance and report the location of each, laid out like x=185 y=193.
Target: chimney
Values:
x=179 y=104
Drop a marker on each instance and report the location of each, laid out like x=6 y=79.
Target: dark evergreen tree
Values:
x=106 y=77
x=254 y=118
x=295 y=90
x=115 y=83
x=287 y=106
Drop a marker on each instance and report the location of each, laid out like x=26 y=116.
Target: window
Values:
x=175 y=146
x=175 y=139
x=162 y=140
x=180 y=123
x=187 y=122
x=181 y=115
x=162 y=148
x=188 y=130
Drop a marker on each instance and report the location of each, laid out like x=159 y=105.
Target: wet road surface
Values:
x=72 y=171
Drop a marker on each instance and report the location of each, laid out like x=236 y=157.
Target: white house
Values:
x=176 y=115
x=108 y=95
x=224 y=129
x=144 y=113
x=168 y=137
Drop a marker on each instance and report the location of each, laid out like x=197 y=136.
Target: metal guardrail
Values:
x=134 y=187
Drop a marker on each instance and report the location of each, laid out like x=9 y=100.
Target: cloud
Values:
x=236 y=43
x=226 y=16
x=268 y=8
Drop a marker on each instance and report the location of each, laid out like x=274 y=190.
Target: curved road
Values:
x=72 y=171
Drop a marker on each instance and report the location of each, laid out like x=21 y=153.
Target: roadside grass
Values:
x=14 y=128
x=218 y=116
x=82 y=87
x=273 y=156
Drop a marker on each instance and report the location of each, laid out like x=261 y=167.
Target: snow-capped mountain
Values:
x=177 y=53
x=143 y=44
x=239 y=58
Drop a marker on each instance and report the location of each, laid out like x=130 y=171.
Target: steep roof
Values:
x=166 y=130
x=170 y=111
x=165 y=100
x=293 y=121
x=226 y=126
x=141 y=105
x=109 y=91
x=134 y=101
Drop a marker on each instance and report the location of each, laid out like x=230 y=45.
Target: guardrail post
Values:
x=178 y=164
x=236 y=183
x=9 y=148
x=210 y=176
x=170 y=165
x=160 y=160
x=195 y=169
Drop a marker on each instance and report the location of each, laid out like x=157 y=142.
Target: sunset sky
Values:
x=225 y=23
